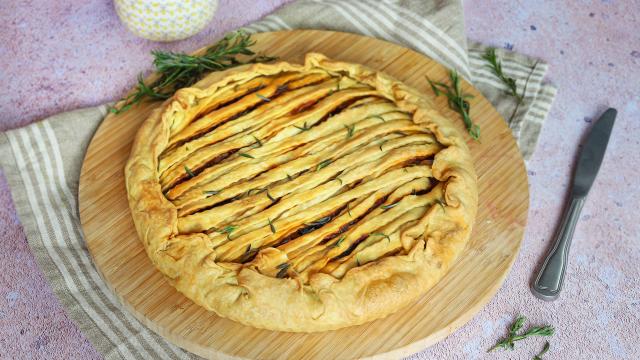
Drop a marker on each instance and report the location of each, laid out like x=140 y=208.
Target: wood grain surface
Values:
x=503 y=203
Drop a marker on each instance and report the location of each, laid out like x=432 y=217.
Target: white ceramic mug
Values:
x=165 y=20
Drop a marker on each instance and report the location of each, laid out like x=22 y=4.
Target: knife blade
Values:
x=592 y=153
x=548 y=283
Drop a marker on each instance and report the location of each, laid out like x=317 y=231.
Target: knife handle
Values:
x=549 y=281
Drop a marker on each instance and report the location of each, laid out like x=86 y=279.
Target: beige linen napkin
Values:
x=42 y=161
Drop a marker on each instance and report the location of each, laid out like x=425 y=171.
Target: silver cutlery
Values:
x=548 y=283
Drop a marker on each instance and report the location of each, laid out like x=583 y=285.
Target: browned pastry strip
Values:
x=368 y=162
x=281 y=167
x=265 y=92
x=198 y=153
x=297 y=144
x=263 y=226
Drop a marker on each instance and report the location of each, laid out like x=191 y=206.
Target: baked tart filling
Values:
x=301 y=197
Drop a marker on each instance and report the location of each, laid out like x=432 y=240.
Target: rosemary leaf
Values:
x=211 y=192
x=349 y=209
x=189 y=172
x=273 y=228
x=269 y=195
x=289 y=177
x=323 y=164
x=246 y=155
x=178 y=70
x=382 y=143
x=337 y=243
x=284 y=270
x=441 y=203
x=320 y=221
x=381 y=234
x=228 y=230
x=303 y=128
x=257 y=141
x=263 y=98
x=350 y=130
x=542 y=352
x=385 y=207
x=377 y=117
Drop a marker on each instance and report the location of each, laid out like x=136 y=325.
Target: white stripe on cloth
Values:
x=77 y=238
x=404 y=36
x=509 y=66
x=417 y=36
x=357 y=24
x=55 y=213
x=419 y=22
x=75 y=292
x=276 y=19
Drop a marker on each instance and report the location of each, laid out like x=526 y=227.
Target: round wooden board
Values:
x=504 y=198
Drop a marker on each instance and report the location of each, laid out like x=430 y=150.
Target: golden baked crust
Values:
x=301 y=197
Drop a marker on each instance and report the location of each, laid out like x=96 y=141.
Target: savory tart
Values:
x=301 y=197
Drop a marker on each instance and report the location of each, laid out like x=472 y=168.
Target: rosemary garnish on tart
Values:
x=178 y=70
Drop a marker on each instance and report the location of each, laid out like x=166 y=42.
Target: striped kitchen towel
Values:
x=42 y=161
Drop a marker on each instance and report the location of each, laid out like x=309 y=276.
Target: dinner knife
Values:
x=548 y=283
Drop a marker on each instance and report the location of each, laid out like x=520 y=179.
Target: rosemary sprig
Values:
x=508 y=342
x=496 y=66
x=247 y=155
x=178 y=70
x=350 y=130
x=542 y=352
x=457 y=100
x=323 y=164
x=189 y=172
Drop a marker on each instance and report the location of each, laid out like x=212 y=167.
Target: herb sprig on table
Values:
x=178 y=70
x=508 y=343
x=512 y=88
x=457 y=100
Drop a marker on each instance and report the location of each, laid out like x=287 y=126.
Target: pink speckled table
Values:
x=48 y=49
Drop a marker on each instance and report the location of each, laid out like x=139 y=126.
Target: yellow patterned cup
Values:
x=165 y=20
